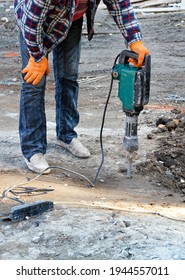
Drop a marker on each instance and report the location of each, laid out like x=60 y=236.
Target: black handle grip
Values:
x=126 y=54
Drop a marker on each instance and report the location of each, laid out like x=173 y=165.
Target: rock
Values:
x=180 y=131
x=172 y=124
x=122 y=168
x=162 y=127
x=127 y=223
x=175 y=111
x=169 y=173
x=150 y=136
x=145 y=111
x=161 y=120
x=123 y=255
x=182 y=123
x=159 y=169
x=36 y=239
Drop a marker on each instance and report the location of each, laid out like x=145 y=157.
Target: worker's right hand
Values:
x=139 y=48
x=35 y=70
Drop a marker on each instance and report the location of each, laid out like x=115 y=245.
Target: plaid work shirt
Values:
x=45 y=23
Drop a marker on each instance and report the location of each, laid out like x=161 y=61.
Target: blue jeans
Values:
x=32 y=121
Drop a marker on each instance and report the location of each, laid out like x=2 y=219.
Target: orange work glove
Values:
x=35 y=70
x=140 y=49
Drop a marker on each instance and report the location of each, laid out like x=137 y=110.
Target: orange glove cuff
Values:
x=136 y=44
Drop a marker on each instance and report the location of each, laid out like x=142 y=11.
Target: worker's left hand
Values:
x=35 y=70
x=139 y=48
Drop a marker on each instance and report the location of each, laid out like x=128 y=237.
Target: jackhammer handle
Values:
x=126 y=54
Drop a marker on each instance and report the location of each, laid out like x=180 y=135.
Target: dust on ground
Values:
x=140 y=218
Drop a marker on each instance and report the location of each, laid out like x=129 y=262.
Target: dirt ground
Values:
x=138 y=218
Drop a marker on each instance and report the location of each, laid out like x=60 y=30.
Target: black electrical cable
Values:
x=102 y=126
x=21 y=191
x=29 y=190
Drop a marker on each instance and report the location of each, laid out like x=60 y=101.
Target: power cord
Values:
x=101 y=134
x=102 y=126
x=114 y=208
x=29 y=190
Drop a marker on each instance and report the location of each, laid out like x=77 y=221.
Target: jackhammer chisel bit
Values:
x=129 y=166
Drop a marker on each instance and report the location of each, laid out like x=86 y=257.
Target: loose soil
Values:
x=119 y=218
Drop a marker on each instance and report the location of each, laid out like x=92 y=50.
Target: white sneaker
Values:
x=76 y=148
x=38 y=163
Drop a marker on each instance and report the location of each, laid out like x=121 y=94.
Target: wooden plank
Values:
x=159 y=10
x=150 y=3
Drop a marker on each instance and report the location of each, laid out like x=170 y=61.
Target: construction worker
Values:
x=56 y=25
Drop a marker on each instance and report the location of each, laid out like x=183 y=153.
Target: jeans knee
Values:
x=34 y=89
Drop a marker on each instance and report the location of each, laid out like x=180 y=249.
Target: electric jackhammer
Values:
x=133 y=91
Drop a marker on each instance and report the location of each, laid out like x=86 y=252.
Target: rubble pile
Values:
x=167 y=163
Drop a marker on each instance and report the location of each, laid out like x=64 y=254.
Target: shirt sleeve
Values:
x=31 y=16
x=124 y=16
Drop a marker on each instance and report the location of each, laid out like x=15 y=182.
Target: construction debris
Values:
x=167 y=164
